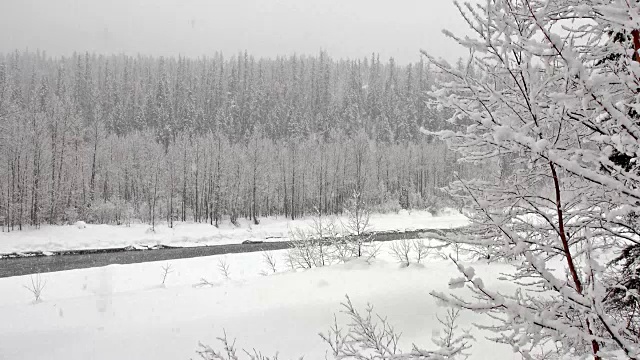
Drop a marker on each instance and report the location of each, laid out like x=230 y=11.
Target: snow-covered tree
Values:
x=96 y=116
x=555 y=90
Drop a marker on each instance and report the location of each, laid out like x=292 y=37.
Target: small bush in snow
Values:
x=319 y=246
x=449 y=338
x=368 y=336
x=204 y=282
x=325 y=233
x=303 y=253
x=70 y=215
x=223 y=267
x=230 y=352
x=401 y=250
x=390 y=204
x=421 y=249
x=372 y=251
x=357 y=223
x=166 y=270
x=270 y=261
x=36 y=286
x=110 y=212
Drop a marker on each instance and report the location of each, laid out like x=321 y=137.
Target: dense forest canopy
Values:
x=115 y=138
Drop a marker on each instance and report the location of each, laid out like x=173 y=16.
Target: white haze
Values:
x=265 y=28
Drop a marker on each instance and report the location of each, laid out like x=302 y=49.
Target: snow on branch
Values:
x=551 y=93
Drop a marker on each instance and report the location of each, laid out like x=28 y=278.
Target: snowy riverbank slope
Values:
x=122 y=312
x=72 y=237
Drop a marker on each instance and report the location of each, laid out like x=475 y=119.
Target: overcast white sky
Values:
x=265 y=28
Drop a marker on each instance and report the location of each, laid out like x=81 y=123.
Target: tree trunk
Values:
x=567 y=252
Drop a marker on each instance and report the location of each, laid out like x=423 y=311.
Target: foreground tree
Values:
x=560 y=98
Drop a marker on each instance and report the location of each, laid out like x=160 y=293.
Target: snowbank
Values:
x=88 y=236
x=121 y=312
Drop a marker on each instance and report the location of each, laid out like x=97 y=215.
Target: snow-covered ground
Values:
x=122 y=312
x=73 y=237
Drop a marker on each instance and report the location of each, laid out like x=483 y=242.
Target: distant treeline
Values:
x=113 y=138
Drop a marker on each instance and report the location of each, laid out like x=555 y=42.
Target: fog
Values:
x=344 y=28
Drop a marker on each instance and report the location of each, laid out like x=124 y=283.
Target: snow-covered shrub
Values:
x=435 y=203
x=367 y=336
x=303 y=253
x=320 y=245
x=406 y=251
x=342 y=249
x=110 y=212
x=439 y=201
x=387 y=206
x=326 y=234
x=370 y=251
x=102 y=213
x=35 y=287
x=386 y=202
x=224 y=268
x=270 y=261
x=421 y=250
x=324 y=243
x=401 y=250
x=230 y=352
x=417 y=201
x=357 y=224
x=124 y=212
x=450 y=337
x=70 y=215
x=308 y=249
